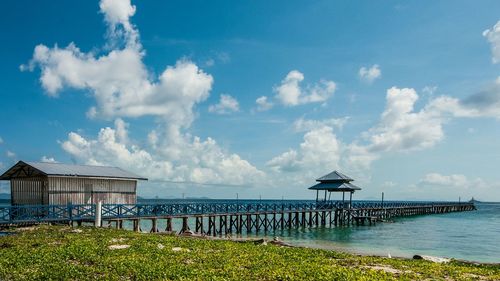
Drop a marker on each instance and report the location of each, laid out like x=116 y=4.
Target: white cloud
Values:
x=210 y=62
x=429 y=90
x=303 y=125
x=485 y=103
x=389 y=184
x=319 y=153
x=123 y=87
x=456 y=180
x=227 y=104
x=289 y=93
x=493 y=36
x=48 y=159
x=117 y=14
x=185 y=159
x=401 y=128
x=10 y=154
x=370 y=74
x=263 y=104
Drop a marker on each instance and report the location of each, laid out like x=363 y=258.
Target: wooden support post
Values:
x=169 y=227
x=185 y=225
x=282 y=220
x=240 y=221
x=135 y=224
x=154 y=225
x=249 y=223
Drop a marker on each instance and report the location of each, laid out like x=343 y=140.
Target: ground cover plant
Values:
x=85 y=253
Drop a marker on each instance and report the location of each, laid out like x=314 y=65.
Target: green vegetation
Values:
x=84 y=253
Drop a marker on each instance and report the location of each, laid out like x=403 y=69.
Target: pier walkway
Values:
x=219 y=218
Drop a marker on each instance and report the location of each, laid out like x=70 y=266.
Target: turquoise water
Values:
x=473 y=236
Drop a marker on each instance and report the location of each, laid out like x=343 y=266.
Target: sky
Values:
x=258 y=98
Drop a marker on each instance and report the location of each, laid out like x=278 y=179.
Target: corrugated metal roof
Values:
x=335 y=186
x=335 y=176
x=59 y=169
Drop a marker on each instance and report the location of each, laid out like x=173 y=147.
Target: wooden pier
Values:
x=223 y=218
x=221 y=224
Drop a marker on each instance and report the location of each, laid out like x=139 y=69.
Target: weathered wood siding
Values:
x=29 y=191
x=74 y=190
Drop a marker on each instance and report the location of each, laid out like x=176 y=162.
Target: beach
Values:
x=86 y=253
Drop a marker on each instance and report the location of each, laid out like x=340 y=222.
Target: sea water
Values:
x=473 y=236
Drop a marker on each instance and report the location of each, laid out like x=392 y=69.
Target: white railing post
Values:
x=98 y=213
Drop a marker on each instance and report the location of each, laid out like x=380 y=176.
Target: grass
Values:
x=62 y=253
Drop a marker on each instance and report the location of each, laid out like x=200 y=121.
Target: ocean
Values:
x=472 y=236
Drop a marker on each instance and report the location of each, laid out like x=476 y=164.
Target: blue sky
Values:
x=258 y=98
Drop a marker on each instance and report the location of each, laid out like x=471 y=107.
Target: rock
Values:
x=188 y=233
x=384 y=268
x=118 y=247
x=178 y=249
x=116 y=240
x=431 y=258
x=76 y=230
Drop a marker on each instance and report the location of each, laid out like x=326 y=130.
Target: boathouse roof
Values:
x=335 y=186
x=23 y=169
x=335 y=176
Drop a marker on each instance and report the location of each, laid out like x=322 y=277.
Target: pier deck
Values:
x=220 y=218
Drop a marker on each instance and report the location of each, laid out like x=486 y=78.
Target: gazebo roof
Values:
x=335 y=187
x=335 y=176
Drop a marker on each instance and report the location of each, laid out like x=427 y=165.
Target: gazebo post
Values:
x=329 y=196
x=325 y=195
x=343 y=198
x=317 y=194
x=350 y=199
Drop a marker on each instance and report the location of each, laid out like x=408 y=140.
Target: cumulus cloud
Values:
x=195 y=160
x=493 y=36
x=263 y=104
x=370 y=74
x=319 y=152
x=485 y=103
x=227 y=104
x=290 y=93
x=429 y=90
x=456 y=180
x=401 y=128
x=303 y=125
x=46 y=159
x=123 y=87
x=10 y=154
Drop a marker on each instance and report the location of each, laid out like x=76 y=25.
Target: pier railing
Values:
x=67 y=213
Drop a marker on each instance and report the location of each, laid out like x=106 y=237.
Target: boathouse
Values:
x=335 y=182
x=34 y=183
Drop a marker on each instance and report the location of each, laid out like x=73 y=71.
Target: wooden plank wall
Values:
x=74 y=190
x=29 y=191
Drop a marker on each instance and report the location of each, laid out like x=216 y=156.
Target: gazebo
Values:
x=335 y=182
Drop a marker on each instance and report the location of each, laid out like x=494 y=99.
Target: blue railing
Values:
x=64 y=213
